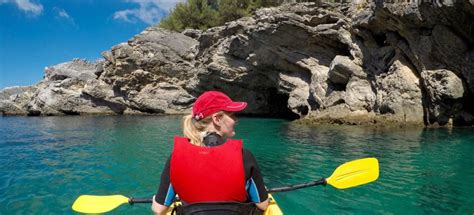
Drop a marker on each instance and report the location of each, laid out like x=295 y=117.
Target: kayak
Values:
x=347 y=175
x=273 y=208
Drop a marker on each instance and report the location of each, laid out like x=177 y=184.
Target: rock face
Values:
x=344 y=63
x=13 y=100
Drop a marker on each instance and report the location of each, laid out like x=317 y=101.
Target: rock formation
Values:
x=365 y=62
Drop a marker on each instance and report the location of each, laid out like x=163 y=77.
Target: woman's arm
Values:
x=256 y=187
x=263 y=205
x=165 y=194
x=157 y=208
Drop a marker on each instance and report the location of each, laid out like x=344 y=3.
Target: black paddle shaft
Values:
x=297 y=186
x=133 y=201
x=272 y=190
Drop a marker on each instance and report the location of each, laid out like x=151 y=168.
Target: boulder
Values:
x=446 y=97
x=399 y=93
x=342 y=69
x=75 y=69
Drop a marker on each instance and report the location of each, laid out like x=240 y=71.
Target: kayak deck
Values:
x=273 y=208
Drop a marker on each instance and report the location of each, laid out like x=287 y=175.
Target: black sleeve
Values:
x=165 y=194
x=255 y=186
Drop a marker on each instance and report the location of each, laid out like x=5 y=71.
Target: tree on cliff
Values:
x=197 y=14
x=204 y=14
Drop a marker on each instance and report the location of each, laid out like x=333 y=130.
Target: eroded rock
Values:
x=352 y=62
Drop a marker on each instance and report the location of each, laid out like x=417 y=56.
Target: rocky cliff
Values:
x=366 y=62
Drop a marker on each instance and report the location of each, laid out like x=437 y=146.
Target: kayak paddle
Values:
x=102 y=204
x=347 y=175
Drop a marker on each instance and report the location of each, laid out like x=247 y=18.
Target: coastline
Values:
x=318 y=62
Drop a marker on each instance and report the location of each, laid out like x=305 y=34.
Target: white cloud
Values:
x=26 y=6
x=148 y=11
x=123 y=15
x=61 y=14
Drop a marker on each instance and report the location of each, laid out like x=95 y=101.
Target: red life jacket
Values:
x=206 y=174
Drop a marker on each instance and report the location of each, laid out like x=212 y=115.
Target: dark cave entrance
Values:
x=274 y=105
x=278 y=105
x=468 y=106
x=269 y=101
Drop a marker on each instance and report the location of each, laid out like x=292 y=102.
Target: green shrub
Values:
x=204 y=14
x=196 y=14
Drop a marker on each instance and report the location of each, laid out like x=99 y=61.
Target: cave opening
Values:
x=469 y=103
x=278 y=105
x=266 y=100
x=70 y=112
x=468 y=106
x=380 y=39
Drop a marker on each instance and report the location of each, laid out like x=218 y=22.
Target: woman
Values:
x=206 y=166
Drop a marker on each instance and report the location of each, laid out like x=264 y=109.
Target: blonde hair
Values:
x=192 y=129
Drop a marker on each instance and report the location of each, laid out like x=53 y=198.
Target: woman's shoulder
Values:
x=247 y=155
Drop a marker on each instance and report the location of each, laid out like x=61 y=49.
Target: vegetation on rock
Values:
x=204 y=14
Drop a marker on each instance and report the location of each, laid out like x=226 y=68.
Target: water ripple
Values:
x=56 y=159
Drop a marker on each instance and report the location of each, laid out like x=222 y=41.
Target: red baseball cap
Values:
x=212 y=102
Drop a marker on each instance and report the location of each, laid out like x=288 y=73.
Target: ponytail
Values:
x=193 y=129
x=190 y=131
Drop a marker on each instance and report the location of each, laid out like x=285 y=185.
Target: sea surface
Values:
x=47 y=162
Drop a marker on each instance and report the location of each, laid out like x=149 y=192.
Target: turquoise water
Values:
x=47 y=162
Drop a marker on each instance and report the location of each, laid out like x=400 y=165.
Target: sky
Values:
x=35 y=34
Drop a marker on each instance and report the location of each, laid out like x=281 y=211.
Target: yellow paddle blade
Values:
x=98 y=204
x=355 y=173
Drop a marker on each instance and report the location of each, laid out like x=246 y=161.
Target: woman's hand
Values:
x=158 y=209
x=263 y=205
